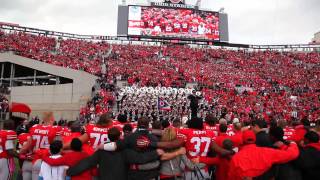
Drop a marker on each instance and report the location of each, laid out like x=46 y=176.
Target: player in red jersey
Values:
x=39 y=141
x=288 y=131
x=210 y=124
x=197 y=142
x=185 y=27
x=96 y=134
x=7 y=138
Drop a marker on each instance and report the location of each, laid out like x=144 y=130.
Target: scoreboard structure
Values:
x=172 y=20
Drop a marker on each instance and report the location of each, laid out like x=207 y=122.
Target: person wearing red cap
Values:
x=253 y=161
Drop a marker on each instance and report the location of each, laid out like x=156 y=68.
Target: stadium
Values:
x=169 y=97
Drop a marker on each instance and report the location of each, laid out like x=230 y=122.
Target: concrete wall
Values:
x=64 y=100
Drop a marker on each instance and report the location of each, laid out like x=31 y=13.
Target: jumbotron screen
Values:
x=173 y=23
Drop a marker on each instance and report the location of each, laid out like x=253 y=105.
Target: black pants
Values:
x=194 y=112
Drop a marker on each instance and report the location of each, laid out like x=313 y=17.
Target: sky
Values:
x=250 y=21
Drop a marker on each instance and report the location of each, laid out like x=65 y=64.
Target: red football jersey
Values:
x=211 y=128
x=23 y=138
x=65 y=131
x=197 y=142
x=97 y=134
x=43 y=135
x=288 y=132
x=6 y=135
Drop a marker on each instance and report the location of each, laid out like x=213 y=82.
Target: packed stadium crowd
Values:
x=256 y=115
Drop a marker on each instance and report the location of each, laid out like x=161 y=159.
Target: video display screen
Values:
x=173 y=23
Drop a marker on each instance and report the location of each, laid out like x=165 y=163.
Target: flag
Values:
x=163 y=105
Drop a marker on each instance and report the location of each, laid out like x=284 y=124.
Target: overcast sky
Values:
x=250 y=21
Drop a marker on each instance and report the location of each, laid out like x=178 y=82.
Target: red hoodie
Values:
x=253 y=161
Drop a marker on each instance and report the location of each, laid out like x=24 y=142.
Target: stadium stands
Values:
x=275 y=84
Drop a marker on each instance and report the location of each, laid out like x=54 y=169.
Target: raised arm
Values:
x=220 y=150
x=169 y=145
x=134 y=157
x=27 y=146
x=83 y=138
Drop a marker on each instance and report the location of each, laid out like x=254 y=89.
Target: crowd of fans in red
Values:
x=277 y=84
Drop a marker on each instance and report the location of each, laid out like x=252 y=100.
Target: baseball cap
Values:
x=248 y=137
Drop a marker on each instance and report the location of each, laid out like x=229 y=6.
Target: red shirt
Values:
x=71 y=159
x=42 y=136
x=288 y=133
x=211 y=128
x=221 y=137
x=97 y=134
x=197 y=142
x=6 y=135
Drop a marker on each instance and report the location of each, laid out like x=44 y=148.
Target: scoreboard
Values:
x=172 y=23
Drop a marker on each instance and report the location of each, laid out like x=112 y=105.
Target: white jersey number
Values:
x=198 y=141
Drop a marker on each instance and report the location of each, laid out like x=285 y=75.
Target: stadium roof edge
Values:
x=76 y=75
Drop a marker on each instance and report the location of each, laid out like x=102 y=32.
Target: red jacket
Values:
x=253 y=161
x=222 y=165
x=71 y=159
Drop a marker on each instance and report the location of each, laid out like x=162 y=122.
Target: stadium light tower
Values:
x=198 y=3
x=221 y=10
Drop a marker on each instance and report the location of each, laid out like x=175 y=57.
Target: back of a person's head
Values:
x=105 y=119
x=48 y=118
x=176 y=123
x=169 y=134
x=305 y=122
x=195 y=123
x=113 y=134
x=55 y=147
x=8 y=125
x=143 y=122
x=237 y=126
x=156 y=125
x=76 y=145
x=127 y=128
x=122 y=118
x=69 y=123
x=260 y=123
x=75 y=127
x=276 y=133
x=282 y=123
x=223 y=128
x=165 y=123
x=312 y=137
x=227 y=144
x=211 y=119
x=223 y=121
